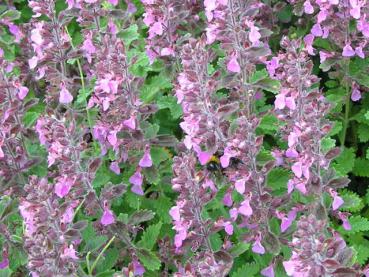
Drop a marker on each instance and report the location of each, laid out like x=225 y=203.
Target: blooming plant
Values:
x=184 y=138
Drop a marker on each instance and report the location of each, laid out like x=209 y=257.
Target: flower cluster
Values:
x=164 y=17
x=314 y=253
x=332 y=21
x=301 y=105
x=50 y=237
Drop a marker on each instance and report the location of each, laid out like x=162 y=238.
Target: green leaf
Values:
x=248 y=269
x=258 y=76
x=150 y=130
x=215 y=242
x=159 y=154
x=239 y=249
x=153 y=87
x=269 y=85
x=363 y=132
x=353 y=202
x=362 y=253
x=148 y=259
x=130 y=34
x=108 y=261
x=285 y=14
x=10 y=15
x=277 y=178
x=327 y=144
x=150 y=236
x=141 y=216
x=344 y=163
x=170 y=102
x=361 y=167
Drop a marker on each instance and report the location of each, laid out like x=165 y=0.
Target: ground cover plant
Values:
x=184 y=138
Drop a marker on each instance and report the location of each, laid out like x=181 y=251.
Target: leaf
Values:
x=141 y=216
x=149 y=260
x=277 y=178
x=248 y=269
x=327 y=144
x=363 y=132
x=258 y=76
x=150 y=236
x=285 y=14
x=362 y=253
x=170 y=102
x=269 y=85
x=130 y=34
x=361 y=167
x=10 y=15
x=215 y=242
x=154 y=85
x=353 y=202
x=344 y=163
x=239 y=249
x=159 y=154
x=108 y=261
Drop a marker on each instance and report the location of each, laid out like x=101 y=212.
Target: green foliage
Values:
x=344 y=163
x=150 y=236
x=248 y=269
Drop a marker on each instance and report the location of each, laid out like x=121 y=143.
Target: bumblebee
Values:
x=213 y=164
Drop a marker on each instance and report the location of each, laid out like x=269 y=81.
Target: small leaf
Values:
x=148 y=259
x=278 y=178
x=239 y=249
x=150 y=236
x=344 y=163
x=141 y=216
x=10 y=15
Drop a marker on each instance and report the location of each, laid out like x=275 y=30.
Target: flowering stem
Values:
x=99 y=256
x=346 y=120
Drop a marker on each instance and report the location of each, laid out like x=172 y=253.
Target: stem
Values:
x=99 y=256
x=346 y=120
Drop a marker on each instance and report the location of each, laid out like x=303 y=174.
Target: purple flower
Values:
x=146 y=160
x=337 y=200
x=63 y=186
x=348 y=51
x=65 y=97
x=233 y=65
x=245 y=208
x=114 y=166
x=175 y=213
x=258 y=248
x=268 y=271
x=308 y=8
x=107 y=217
x=5 y=261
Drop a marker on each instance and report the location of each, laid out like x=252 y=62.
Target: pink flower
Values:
x=280 y=102
x=174 y=212
x=297 y=169
x=268 y=271
x=240 y=185
x=156 y=29
x=272 y=65
x=203 y=157
x=257 y=247
x=355 y=94
x=146 y=160
x=245 y=208
x=113 y=2
x=137 y=179
x=32 y=62
x=359 y=52
x=337 y=200
x=348 y=51
x=138 y=269
x=316 y=30
x=227 y=199
x=63 y=186
x=69 y=253
x=228 y=228
x=130 y=123
x=309 y=40
x=345 y=223
x=308 y=8
x=233 y=65
x=287 y=221
x=22 y=92
x=254 y=34
x=65 y=96
x=114 y=166
x=292 y=153
x=107 y=217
